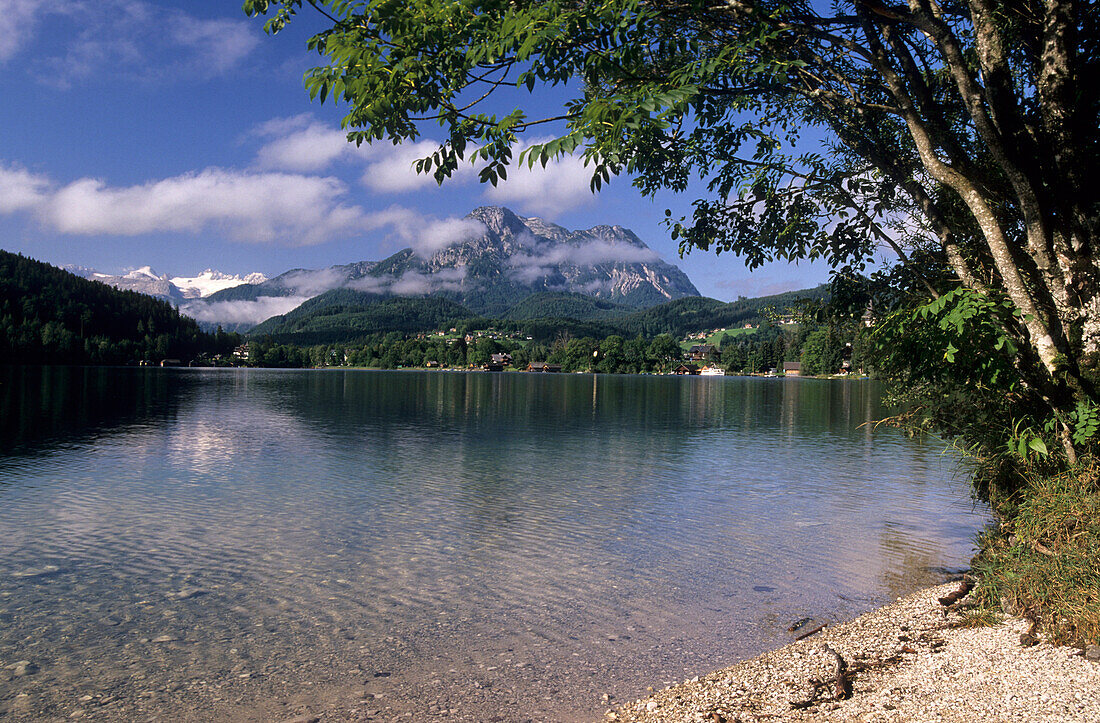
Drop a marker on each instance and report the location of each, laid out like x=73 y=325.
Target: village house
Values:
x=497 y=362
x=869 y=317
x=686 y=369
x=543 y=367
x=702 y=352
x=792 y=369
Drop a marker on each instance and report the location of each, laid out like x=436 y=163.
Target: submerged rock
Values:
x=187 y=593
x=38 y=571
x=23 y=668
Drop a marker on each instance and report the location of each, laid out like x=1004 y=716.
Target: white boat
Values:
x=712 y=372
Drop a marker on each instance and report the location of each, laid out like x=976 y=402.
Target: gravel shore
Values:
x=904 y=662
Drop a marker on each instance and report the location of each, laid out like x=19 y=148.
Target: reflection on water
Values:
x=253 y=544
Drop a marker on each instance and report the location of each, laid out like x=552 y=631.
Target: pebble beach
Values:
x=908 y=661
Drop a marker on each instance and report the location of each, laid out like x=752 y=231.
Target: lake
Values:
x=260 y=544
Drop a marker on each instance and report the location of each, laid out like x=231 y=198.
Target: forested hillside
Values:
x=566 y=305
x=696 y=313
x=345 y=315
x=50 y=316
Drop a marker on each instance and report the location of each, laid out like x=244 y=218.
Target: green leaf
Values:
x=1038 y=445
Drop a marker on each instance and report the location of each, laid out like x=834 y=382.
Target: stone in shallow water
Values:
x=23 y=668
x=38 y=571
x=187 y=593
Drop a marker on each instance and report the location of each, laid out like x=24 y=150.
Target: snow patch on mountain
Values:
x=174 y=288
x=211 y=281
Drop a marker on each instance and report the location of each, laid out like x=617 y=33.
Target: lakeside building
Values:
x=702 y=352
x=792 y=369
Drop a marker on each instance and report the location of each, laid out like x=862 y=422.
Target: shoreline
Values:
x=906 y=661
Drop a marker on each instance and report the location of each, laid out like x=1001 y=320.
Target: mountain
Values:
x=143 y=280
x=489 y=262
x=210 y=282
x=305 y=283
x=501 y=258
x=179 y=288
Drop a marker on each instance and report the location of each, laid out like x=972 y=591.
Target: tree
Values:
x=663 y=351
x=821 y=353
x=959 y=134
x=612 y=355
x=635 y=356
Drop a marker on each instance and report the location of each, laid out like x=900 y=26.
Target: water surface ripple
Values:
x=250 y=545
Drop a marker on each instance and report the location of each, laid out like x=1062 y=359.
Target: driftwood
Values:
x=964 y=589
x=816 y=630
x=841 y=684
x=798 y=624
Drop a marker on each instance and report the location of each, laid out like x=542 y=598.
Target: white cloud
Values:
x=131 y=38
x=562 y=185
x=302 y=144
x=20 y=190
x=221 y=43
x=541 y=260
x=602 y=251
x=283 y=208
x=423 y=234
x=309 y=283
x=438 y=235
x=18 y=20
x=391 y=168
x=412 y=283
x=242 y=312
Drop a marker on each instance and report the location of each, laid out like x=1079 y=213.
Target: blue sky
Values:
x=178 y=135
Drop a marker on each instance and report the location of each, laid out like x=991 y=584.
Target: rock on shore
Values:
x=903 y=662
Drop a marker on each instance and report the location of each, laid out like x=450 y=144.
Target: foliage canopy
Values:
x=958 y=133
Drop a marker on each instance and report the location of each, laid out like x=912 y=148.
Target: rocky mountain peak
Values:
x=500 y=221
x=615 y=234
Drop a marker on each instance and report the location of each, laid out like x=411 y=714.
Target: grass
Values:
x=1044 y=561
x=716 y=338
